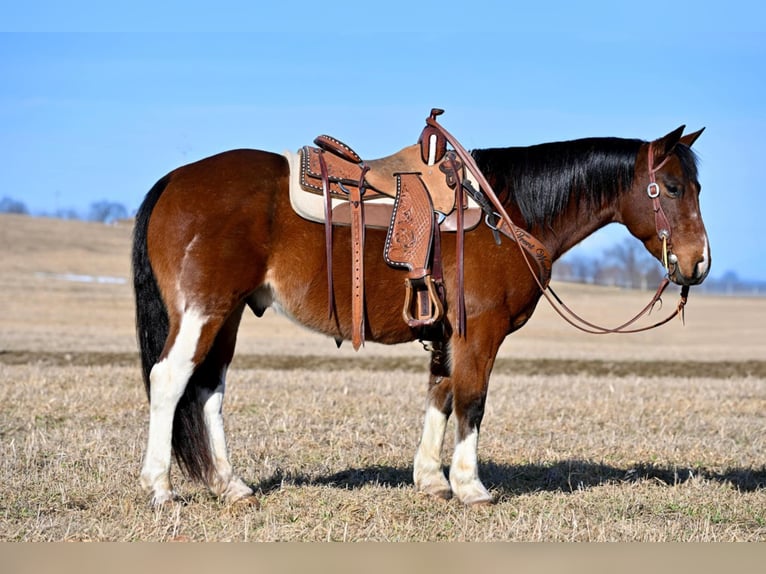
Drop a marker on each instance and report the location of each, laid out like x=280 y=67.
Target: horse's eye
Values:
x=673 y=190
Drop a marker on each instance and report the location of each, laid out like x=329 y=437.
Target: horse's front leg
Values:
x=427 y=469
x=464 y=479
x=464 y=392
x=472 y=359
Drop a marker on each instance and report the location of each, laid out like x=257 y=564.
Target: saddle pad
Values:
x=377 y=212
x=311 y=206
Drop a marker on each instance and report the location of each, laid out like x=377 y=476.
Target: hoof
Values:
x=481 y=502
x=250 y=501
x=439 y=492
x=160 y=499
x=235 y=491
x=473 y=494
x=433 y=484
x=158 y=485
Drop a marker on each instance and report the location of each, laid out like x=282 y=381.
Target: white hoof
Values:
x=236 y=490
x=163 y=497
x=472 y=493
x=433 y=484
x=159 y=487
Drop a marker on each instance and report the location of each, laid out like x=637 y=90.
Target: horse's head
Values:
x=662 y=207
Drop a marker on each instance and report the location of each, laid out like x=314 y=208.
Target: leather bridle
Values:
x=661 y=222
x=532 y=248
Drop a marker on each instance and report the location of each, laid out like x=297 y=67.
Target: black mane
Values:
x=542 y=179
x=688 y=161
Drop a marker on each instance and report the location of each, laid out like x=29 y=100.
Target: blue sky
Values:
x=100 y=106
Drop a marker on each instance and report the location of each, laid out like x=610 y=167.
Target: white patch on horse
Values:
x=427 y=468
x=181 y=298
x=464 y=472
x=190 y=246
x=168 y=380
x=704 y=265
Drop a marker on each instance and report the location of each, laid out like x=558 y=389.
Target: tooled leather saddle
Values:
x=430 y=187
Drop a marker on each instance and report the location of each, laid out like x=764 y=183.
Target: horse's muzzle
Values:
x=699 y=271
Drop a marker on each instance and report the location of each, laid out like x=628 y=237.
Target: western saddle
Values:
x=430 y=186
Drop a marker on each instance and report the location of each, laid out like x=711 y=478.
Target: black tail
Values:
x=190 y=440
x=151 y=315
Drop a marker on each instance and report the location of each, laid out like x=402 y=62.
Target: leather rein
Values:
x=532 y=249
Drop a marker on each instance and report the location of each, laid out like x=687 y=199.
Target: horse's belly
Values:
x=302 y=296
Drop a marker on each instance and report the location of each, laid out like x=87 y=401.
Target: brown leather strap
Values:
x=331 y=310
x=660 y=220
x=333 y=145
x=461 y=319
x=357 y=263
x=653 y=190
x=437 y=270
x=594 y=329
x=661 y=223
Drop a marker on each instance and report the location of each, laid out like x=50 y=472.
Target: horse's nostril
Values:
x=700 y=269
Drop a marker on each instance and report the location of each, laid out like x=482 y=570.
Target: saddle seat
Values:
x=380 y=175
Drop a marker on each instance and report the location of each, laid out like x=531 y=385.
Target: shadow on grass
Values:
x=514 y=480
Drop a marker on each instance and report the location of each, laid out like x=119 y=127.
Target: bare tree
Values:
x=636 y=266
x=578 y=268
x=107 y=211
x=10 y=205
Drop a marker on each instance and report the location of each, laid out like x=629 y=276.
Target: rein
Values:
x=531 y=248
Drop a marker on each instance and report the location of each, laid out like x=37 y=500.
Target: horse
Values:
x=219 y=235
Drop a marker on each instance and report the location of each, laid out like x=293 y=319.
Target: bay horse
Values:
x=219 y=235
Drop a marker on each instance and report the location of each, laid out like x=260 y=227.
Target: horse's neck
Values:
x=538 y=171
x=573 y=225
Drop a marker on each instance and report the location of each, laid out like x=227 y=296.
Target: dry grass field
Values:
x=652 y=437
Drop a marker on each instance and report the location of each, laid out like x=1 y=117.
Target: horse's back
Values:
x=229 y=187
x=227 y=180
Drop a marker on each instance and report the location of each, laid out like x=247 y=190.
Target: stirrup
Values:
x=421 y=294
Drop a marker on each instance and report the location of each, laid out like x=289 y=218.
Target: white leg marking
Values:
x=464 y=472
x=427 y=468
x=225 y=484
x=168 y=380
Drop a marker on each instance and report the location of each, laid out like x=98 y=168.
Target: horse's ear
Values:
x=689 y=139
x=663 y=146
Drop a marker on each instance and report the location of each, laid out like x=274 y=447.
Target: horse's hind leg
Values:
x=223 y=482
x=186 y=393
x=212 y=375
x=168 y=380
